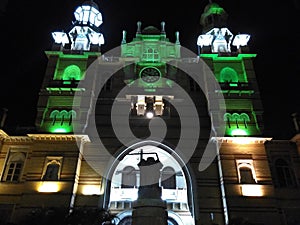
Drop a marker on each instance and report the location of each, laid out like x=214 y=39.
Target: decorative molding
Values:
x=43 y=137
x=242 y=140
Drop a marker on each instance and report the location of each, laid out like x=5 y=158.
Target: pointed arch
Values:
x=245 y=118
x=54 y=115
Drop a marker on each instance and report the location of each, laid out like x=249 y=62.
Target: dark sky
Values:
x=274 y=27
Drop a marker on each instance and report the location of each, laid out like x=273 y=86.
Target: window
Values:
x=228 y=74
x=239 y=120
x=52 y=168
x=14 y=166
x=284 y=174
x=150 y=54
x=168 y=178
x=246 y=172
x=128 y=177
x=62 y=117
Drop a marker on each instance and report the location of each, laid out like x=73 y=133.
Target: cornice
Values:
x=243 y=140
x=43 y=137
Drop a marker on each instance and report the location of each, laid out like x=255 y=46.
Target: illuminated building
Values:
x=222 y=178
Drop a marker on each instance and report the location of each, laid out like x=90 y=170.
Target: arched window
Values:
x=227 y=119
x=64 y=116
x=54 y=116
x=228 y=74
x=128 y=177
x=72 y=116
x=246 y=175
x=52 y=168
x=168 y=178
x=14 y=166
x=246 y=171
x=284 y=174
x=52 y=171
x=72 y=72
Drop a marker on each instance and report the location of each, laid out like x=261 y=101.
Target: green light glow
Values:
x=60 y=130
x=57 y=128
x=215 y=56
x=215 y=9
x=228 y=74
x=238 y=132
x=60 y=54
x=72 y=72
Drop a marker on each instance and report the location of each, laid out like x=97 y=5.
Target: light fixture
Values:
x=140 y=105
x=48 y=187
x=60 y=37
x=149 y=114
x=241 y=40
x=88 y=13
x=204 y=40
x=158 y=105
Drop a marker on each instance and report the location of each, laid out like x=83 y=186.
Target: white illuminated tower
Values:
x=85 y=33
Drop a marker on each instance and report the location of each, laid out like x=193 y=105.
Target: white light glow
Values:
x=222 y=38
x=48 y=187
x=241 y=40
x=158 y=105
x=60 y=37
x=149 y=115
x=91 y=190
x=253 y=190
x=96 y=38
x=118 y=194
x=204 y=40
x=88 y=14
x=141 y=105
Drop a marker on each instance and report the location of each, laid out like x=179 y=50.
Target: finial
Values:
x=163 y=27
x=124 y=37
x=177 y=37
x=139 y=24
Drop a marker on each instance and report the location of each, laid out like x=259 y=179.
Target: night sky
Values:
x=274 y=27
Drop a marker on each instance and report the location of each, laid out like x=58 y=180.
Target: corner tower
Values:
x=229 y=58
x=71 y=54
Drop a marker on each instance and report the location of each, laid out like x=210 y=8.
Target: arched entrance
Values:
x=123 y=177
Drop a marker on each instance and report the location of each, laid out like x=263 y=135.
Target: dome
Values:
x=213 y=16
x=213 y=8
x=150 y=30
x=91 y=3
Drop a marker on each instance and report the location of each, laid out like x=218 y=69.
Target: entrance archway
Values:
x=122 y=182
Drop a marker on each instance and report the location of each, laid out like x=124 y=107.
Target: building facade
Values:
x=199 y=114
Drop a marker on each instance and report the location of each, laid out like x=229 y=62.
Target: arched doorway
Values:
x=123 y=177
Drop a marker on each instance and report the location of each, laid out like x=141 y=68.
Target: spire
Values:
x=163 y=27
x=124 y=37
x=139 y=25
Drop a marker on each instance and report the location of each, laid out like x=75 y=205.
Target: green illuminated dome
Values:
x=214 y=8
x=151 y=30
x=213 y=16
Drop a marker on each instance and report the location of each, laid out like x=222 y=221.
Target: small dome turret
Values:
x=213 y=16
